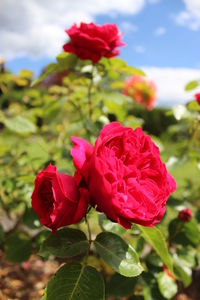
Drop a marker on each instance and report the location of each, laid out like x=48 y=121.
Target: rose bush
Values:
x=57 y=200
x=142 y=90
x=91 y=41
x=124 y=174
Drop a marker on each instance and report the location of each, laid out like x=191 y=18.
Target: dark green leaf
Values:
x=120 y=286
x=66 y=242
x=41 y=237
x=119 y=255
x=184 y=233
x=191 y=231
x=76 y=282
x=18 y=247
x=152 y=292
x=31 y=219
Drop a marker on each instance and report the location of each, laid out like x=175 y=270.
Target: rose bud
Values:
x=185 y=215
x=57 y=199
x=91 y=41
x=124 y=174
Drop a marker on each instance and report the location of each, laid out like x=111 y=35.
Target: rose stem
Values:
x=88 y=228
x=90 y=95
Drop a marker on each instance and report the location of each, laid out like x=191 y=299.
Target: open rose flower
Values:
x=124 y=174
x=185 y=215
x=197 y=97
x=91 y=41
x=57 y=200
x=141 y=90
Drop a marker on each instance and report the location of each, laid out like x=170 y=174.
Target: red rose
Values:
x=142 y=90
x=90 y=41
x=124 y=174
x=185 y=215
x=197 y=97
x=57 y=200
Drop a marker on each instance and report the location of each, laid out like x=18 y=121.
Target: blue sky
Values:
x=172 y=45
x=162 y=36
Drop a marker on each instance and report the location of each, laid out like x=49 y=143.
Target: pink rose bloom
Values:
x=57 y=199
x=197 y=97
x=185 y=215
x=142 y=90
x=91 y=41
x=124 y=174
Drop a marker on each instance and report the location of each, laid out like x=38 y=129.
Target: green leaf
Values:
x=41 y=237
x=120 y=286
x=193 y=105
x=167 y=285
x=66 y=242
x=25 y=73
x=18 y=247
x=155 y=238
x=31 y=219
x=191 y=231
x=119 y=255
x=183 y=273
x=67 y=60
x=151 y=292
x=20 y=125
x=50 y=69
x=134 y=71
x=107 y=225
x=76 y=282
x=184 y=233
x=191 y=85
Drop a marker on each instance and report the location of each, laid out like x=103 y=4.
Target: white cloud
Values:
x=170 y=84
x=36 y=28
x=160 y=31
x=128 y=27
x=189 y=17
x=139 y=49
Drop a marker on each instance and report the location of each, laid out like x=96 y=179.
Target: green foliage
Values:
x=107 y=225
x=184 y=233
x=37 y=120
x=155 y=238
x=75 y=281
x=120 y=286
x=20 y=125
x=18 y=247
x=191 y=85
x=66 y=242
x=167 y=286
x=119 y=255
